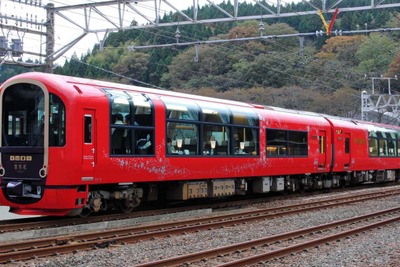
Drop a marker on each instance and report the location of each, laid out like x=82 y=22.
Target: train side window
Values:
x=184 y=138
x=373 y=144
x=347 y=145
x=287 y=143
x=131 y=124
x=216 y=140
x=298 y=145
x=245 y=134
x=373 y=147
x=392 y=147
x=212 y=113
x=57 y=121
x=216 y=132
x=182 y=126
x=276 y=142
x=382 y=144
x=391 y=143
x=88 y=129
x=321 y=143
x=383 y=148
x=186 y=110
x=398 y=144
x=245 y=141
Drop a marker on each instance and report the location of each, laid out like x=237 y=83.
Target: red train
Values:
x=73 y=146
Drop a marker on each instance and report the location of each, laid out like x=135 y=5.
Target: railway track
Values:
x=19 y=225
x=57 y=245
x=264 y=249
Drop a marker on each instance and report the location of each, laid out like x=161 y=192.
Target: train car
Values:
x=73 y=146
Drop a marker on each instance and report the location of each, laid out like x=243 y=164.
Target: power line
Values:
x=140 y=8
x=259 y=38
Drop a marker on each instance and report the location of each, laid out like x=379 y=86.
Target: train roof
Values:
x=336 y=120
x=59 y=81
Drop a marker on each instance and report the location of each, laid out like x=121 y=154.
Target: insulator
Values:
x=177 y=35
x=196 y=58
x=261 y=26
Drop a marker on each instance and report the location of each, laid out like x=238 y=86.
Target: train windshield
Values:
x=23 y=111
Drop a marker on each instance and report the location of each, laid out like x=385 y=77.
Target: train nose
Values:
x=14 y=188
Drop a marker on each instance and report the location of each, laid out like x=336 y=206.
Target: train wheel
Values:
x=85 y=213
x=127 y=205
x=302 y=188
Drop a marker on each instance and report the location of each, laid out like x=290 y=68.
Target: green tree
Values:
x=132 y=65
x=103 y=60
x=376 y=53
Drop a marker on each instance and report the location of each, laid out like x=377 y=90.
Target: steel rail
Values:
x=309 y=244
x=50 y=246
x=41 y=223
x=207 y=254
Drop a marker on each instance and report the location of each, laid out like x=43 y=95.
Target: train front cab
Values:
x=28 y=112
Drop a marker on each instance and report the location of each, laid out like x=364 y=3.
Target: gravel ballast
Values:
x=380 y=247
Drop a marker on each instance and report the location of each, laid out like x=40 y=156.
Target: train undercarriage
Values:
x=129 y=196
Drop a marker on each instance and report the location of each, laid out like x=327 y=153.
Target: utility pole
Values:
x=364 y=105
x=50 y=38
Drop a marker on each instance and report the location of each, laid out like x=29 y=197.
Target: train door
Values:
x=89 y=145
x=322 y=149
x=346 y=150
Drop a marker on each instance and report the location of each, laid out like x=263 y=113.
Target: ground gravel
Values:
x=380 y=247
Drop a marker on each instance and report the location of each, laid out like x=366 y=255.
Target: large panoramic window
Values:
x=245 y=131
x=216 y=129
x=131 y=123
x=209 y=129
x=182 y=127
x=383 y=143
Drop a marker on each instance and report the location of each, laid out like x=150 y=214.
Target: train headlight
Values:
x=39 y=190
x=42 y=172
x=14 y=189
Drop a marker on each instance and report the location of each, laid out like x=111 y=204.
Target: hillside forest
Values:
x=324 y=74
